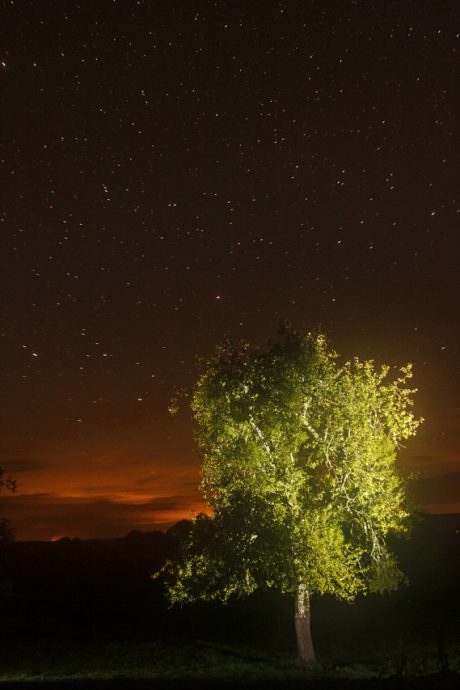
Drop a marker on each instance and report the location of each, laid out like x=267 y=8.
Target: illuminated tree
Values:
x=299 y=471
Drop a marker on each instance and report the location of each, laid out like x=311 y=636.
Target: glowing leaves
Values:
x=299 y=470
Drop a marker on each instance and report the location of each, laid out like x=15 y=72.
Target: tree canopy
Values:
x=299 y=471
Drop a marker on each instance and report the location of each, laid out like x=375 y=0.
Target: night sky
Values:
x=179 y=171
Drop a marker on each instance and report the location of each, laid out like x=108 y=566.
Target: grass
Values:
x=195 y=660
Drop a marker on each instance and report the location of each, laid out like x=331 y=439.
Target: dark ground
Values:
x=425 y=683
x=86 y=614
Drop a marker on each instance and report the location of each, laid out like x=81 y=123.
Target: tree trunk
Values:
x=302 y=626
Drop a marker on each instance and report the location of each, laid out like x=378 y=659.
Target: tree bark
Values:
x=302 y=626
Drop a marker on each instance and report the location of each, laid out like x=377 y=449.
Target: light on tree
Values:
x=299 y=470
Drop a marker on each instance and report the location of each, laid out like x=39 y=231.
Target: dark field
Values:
x=81 y=614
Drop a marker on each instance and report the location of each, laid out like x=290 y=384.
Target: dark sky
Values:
x=179 y=171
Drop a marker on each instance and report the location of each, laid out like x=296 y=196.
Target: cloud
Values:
x=106 y=510
x=147 y=481
x=444 y=489
x=40 y=516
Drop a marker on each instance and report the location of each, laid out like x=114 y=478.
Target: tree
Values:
x=299 y=471
x=6 y=482
x=6 y=531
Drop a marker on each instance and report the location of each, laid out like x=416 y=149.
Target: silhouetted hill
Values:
x=430 y=557
x=103 y=587
x=85 y=584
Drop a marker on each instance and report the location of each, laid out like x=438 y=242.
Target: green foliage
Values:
x=299 y=471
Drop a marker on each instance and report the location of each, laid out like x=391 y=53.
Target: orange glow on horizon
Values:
x=111 y=489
